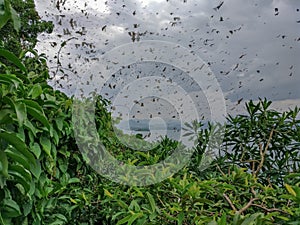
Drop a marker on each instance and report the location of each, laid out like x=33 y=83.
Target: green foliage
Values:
x=9 y=13
x=265 y=141
x=232 y=198
x=41 y=170
x=20 y=16
x=44 y=179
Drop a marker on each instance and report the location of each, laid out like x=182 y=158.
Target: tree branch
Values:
x=250 y=203
x=270 y=210
x=263 y=152
x=230 y=202
x=63 y=44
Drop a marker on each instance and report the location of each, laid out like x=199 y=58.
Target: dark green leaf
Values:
x=4 y=163
x=16 y=19
x=46 y=145
x=10 y=79
x=37 y=112
x=16 y=142
x=17 y=157
x=12 y=209
x=21 y=112
x=12 y=58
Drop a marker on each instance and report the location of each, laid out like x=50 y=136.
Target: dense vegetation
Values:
x=44 y=179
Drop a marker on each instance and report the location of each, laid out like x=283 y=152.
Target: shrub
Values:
x=44 y=179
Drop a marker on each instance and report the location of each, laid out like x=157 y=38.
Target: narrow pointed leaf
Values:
x=4 y=163
x=18 y=144
x=12 y=58
x=16 y=19
x=36 y=111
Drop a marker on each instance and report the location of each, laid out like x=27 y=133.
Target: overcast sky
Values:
x=252 y=47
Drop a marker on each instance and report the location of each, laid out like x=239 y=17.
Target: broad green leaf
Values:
x=19 y=145
x=5 y=115
x=60 y=122
x=28 y=125
x=4 y=163
x=50 y=104
x=36 y=111
x=20 y=109
x=138 y=193
x=285 y=218
x=9 y=101
x=35 y=148
x=17 y=157
x=26 y=175
x=27 y=207
x=36 y=170
x=12 y=58
x=54 y=135
x=10 y=79
x=46 y=145
x=35 y=91
x=12 y=209
x=16 y=19
x=73 y=200
x=6 y=220
x=33 y=104
x=4 y=15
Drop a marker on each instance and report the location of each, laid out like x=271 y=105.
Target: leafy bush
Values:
x=44 y=179
x=20 y=25
x=265 y=141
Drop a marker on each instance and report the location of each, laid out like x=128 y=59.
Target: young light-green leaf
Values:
x=152 y=202
x=35 y=91
x=124 y=220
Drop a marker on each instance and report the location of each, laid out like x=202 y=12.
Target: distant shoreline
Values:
x=148 y=125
